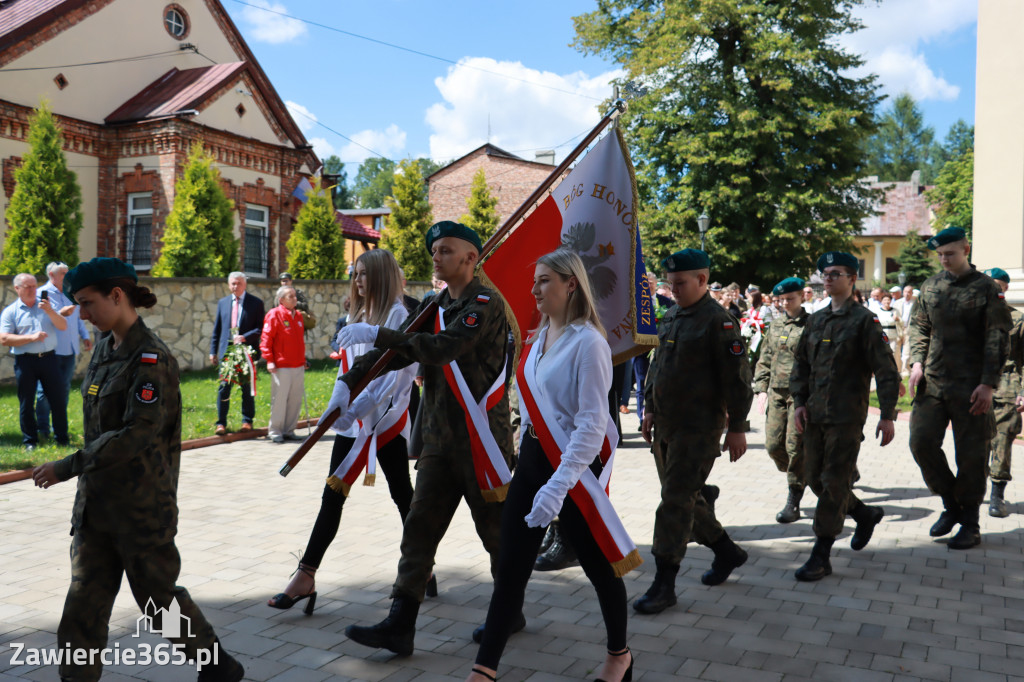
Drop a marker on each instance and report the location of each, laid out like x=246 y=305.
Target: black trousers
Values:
x=519 y=545
x=224 y=402
x=394 y=462
x=30 y=370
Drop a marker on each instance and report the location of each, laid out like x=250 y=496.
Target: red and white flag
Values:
x=592 y=212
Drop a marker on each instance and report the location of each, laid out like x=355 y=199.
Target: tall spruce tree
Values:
x=750 y=114
x=199 y=238
x=903 y=144
x=316 y=248
x=482 y=215
x=44 y=216
x=916 y=261
x=410 y=218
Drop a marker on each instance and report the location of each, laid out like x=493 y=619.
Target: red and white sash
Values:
x=492 y=473
x=589 y=494
x=363 y=453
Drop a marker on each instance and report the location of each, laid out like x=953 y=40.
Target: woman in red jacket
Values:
x=284 y=349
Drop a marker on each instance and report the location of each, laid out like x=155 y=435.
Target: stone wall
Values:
x=184 y=314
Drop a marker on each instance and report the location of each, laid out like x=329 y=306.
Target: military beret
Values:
x=687 y=259
x=998 y=273
x=448 y=228
x=827 y=260
x=947 y=236
x=285 y=275
x=97 y=270
x=788 y=286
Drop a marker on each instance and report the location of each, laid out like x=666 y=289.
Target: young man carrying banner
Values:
x=698 y=379
x=467 y=433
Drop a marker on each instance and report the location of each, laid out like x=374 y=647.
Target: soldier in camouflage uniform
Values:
x=958 y=344
x=1004 y=405
x=474 y=336
x=841 y=347
x=697 y=385
x=784 y=443
x=126 y=512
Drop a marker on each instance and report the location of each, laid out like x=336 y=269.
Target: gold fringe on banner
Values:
x=338 y=485
x=369 y=479
x=495 y=495
x=627 y=564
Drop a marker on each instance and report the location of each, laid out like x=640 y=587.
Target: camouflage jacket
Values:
x=837 y=354
x=699 y=373
x=778 y=353
x=959 y=332
x=128 y=470
x=1010 y=379
x=475 y=337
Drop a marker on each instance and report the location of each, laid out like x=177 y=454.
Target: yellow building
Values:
x=361 y=228
x=903 y=207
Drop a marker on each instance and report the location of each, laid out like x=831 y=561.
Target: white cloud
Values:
x=303 y=117
x=892 y=39
x=322 y=147
x=389 y=143
x=540 y=113
x=270 y=27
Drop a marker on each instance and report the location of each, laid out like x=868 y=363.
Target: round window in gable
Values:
x=176 y=21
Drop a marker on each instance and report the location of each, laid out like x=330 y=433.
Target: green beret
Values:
x=687 y=259
x=947 y=236
x=96 y=270
x=998 y=273
x=827 y=260
x=447 y=228
x=788 y=286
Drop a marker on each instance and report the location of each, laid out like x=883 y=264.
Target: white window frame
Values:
x=134 y=213
x=264 y=227
x=170 y=24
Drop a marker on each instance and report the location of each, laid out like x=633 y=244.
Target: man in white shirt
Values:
x=904 y=307
x=29 y=327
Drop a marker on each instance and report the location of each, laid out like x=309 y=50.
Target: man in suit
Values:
x=244 y=314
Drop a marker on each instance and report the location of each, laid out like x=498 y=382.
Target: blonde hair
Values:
x=383 y=287
x=580 y=306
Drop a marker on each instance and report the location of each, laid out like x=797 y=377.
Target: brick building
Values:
x=134 y=83
x=512 y=179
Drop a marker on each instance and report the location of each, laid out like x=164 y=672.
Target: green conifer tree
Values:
x=316 y=248
x=482 y=215
x=916 y=261
x=199 y=239
x=410 y=218
x=45 y=214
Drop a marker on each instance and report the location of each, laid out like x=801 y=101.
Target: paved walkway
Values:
x=905 y=608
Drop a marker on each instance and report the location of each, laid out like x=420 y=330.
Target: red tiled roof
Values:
x=903 y=206
x=353 y=229
x=175 y=91
x=14 y=15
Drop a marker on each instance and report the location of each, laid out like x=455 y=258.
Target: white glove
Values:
x=357 y=332
x=360 y=407
x=339 y=399
x=546 y=505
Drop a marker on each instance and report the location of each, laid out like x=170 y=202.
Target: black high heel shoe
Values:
x=283 y=601
x=628 y=675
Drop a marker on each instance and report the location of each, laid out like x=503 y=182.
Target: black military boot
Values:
x=969 y=534
x=224 y=669
x=394 y=633
x=818 y=566
x=728 y=556
x=996 y=503
x=791 y=512
x=867 y=517
x=517 y=625
x=662 y=593
x=710 y=493
x=949 y=517
x=560 y=554
x=549 y=537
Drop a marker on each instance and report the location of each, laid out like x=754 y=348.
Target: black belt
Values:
x=37 y=355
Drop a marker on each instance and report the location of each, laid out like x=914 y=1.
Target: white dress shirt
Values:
x=575 y=375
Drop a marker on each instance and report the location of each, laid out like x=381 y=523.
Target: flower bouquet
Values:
x=237 y=366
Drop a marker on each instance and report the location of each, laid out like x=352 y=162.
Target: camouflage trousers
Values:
x=830 y=465
x=1008 y=425
x=972 y=436
x=785 y=445
x=98 y=561
x=443 y=479
x=684 y=463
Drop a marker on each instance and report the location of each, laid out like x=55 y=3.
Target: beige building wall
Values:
x=999 y=142
x=222 y=115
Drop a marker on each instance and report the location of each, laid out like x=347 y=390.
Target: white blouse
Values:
x=575 y=375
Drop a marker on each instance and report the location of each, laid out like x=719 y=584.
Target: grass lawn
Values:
x=903 y=404
x=199 y=411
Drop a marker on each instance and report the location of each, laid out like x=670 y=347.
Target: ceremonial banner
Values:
x=592 y=212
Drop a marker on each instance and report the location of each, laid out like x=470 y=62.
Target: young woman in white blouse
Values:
x=567 y=370
x=381 y=409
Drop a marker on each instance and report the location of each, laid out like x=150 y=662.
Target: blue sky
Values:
x=510 y=65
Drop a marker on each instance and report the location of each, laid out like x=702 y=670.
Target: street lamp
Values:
x=703 y=223
x=902 y=277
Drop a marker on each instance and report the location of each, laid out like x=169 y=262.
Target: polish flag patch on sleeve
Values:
x=149 y=358
x=483 y=298
x=727 y=325
x=1001 y=295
